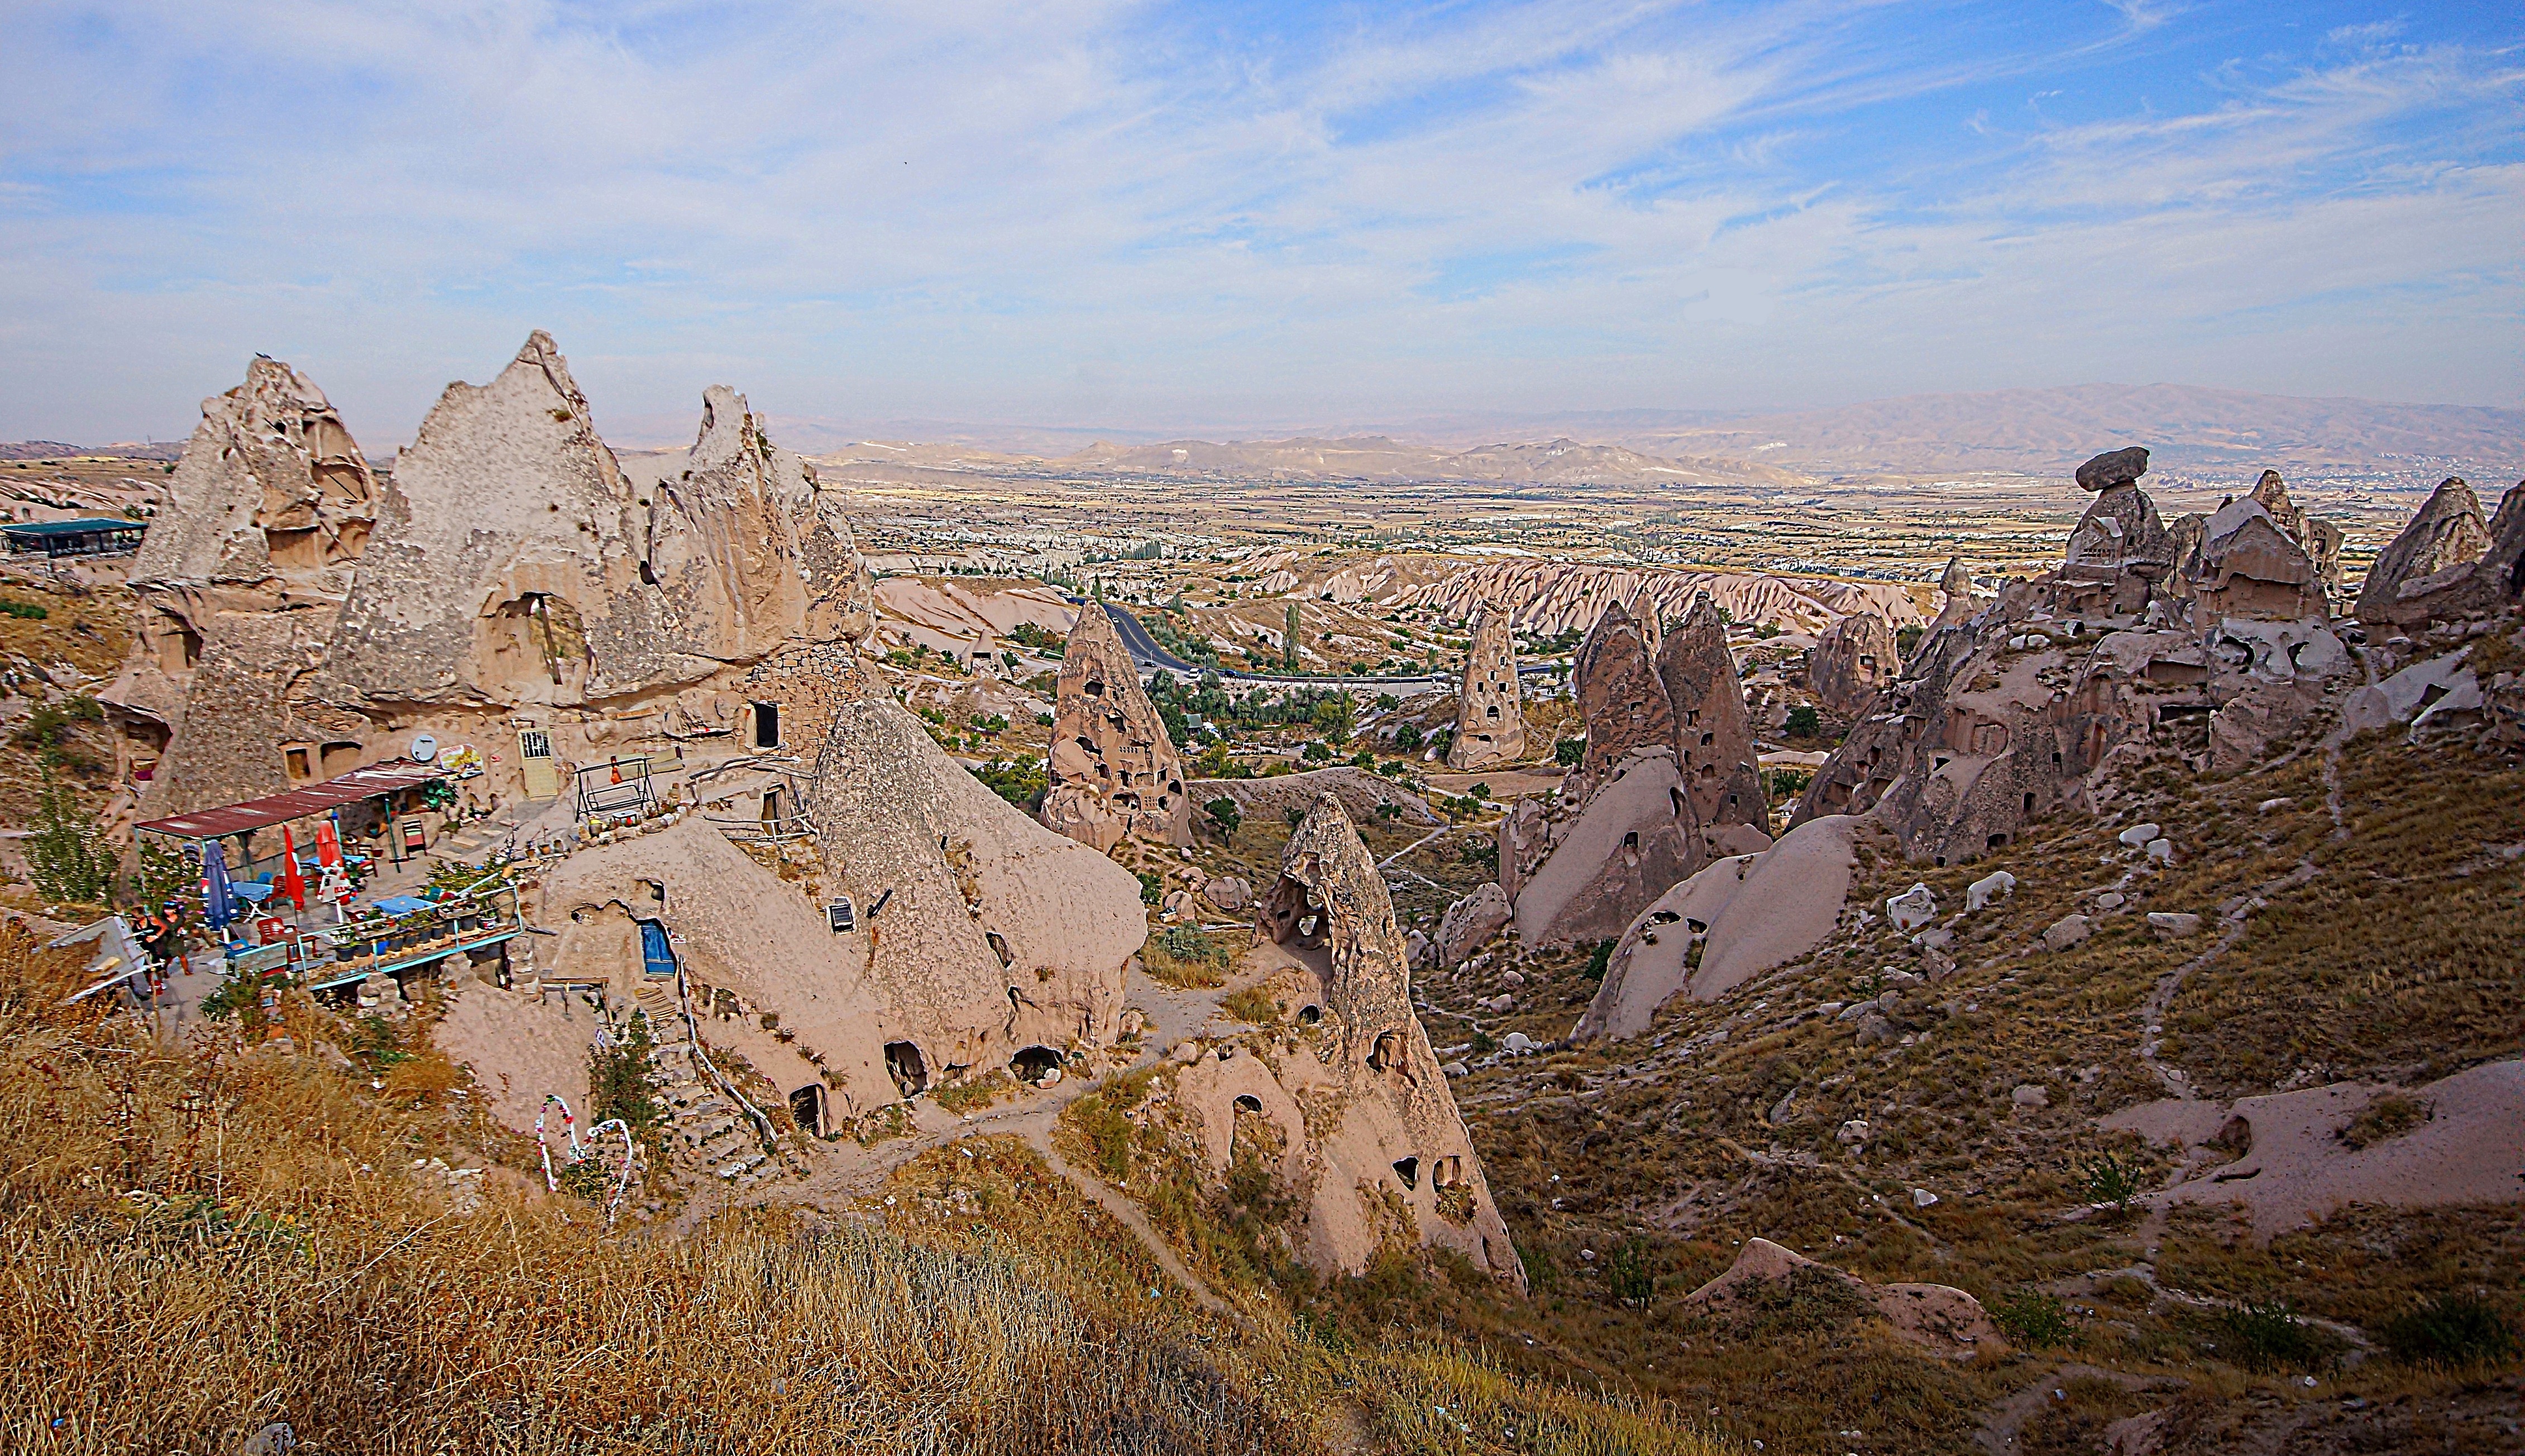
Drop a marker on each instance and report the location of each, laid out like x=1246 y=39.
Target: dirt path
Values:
x=845 y=1171
x=2161 y=998
x=1999 y=1428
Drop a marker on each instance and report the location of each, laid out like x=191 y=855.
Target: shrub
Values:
x=67 y=853
x=2268 y=1334
x=1315 y=752
x=1182 y=956
x=1599 y=960
x=1224 y=816
x=2033 y=1319
x=1568 y=750
x=1628 y=1276
x=960 y=1097
x=26 y=610
x=1804 y=721
x=1406 y=738
x=1153 y=887
x=2385 y=1119
x=2451 y=1331
x=2108 y=1179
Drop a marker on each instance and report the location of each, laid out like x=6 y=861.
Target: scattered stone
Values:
x=2161 y=850
x=1229 y=893
x=1935 y=941
x=2027 y=1094
x=1517 y=1043
x=1851 y=1134
x=2171 y=925
x=2137 y=836
x=1457 y=1069
x=1512 y=979
x=2067 y=931
x=1923 y=1198
x=2112 y=899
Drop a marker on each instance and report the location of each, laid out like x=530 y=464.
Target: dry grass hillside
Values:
x=201 y=1242
x=2378 y=945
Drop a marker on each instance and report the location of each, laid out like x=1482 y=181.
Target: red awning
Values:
x=298 y=804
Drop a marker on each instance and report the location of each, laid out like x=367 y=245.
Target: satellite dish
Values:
x=424 y=747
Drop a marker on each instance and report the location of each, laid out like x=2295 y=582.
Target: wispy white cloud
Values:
x=1186 y=217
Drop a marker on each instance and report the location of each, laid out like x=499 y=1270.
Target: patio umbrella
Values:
x=292 y=884
x=329 y=845
x=218 y=901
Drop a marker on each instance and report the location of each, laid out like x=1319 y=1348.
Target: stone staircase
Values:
x=708 y=1134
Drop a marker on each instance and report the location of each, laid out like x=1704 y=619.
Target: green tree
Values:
x=1223 y=815
x=1332 y=717
x=1804 y=721
x=1289 y=640
x=1406 y=738
x=67 y=854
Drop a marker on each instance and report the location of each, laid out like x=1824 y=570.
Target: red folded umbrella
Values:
x=292 y=884
x=328 y=846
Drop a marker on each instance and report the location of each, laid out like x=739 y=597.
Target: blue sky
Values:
x=1246 y=217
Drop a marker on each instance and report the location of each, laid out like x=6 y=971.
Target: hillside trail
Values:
x=845 y=1172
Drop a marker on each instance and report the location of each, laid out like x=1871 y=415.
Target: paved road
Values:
x=1150 y=657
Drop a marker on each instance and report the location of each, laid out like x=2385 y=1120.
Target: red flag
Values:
x=292 y=884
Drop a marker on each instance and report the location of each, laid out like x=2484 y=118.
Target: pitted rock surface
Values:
x=1115 y=772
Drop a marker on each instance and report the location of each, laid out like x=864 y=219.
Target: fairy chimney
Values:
x=1714 y=736
x=1115 y=772
x=1490 y=724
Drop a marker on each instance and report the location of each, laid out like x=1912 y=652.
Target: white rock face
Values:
x=2067 y=931
x=1912 y=908
x=2137 y=836
x=1989 y=889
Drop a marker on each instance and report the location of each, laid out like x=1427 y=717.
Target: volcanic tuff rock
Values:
x=1490 y=722
x=1549 y=598
x=240 y=579
x=508 y=577
x=2445 y=535
x=1469 y=922
x=1581 y=873
x=1620 y=696
x=2002 y=717
x=1855 y=658
x=1955 y=598
x=1713 y=735
x=2318 y=538
x=1940 y=1318
x=2113 y=467
x=2247 y=566
x=1378 y=1126
x=986 y=932
x=1115 y=772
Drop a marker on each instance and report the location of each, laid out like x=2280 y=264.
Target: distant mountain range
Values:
x=2050 y=430
x=1561 y=462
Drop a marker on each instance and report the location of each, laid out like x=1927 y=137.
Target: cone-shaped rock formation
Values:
x=1115 y=772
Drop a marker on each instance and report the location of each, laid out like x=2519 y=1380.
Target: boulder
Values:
x=1746 y=916
x=1228 y=892
x=1912 y=908
x=1470 y=922
x=2113 y=467
x=1989 y=889
x=2029 y=1096
x=2173 y=925
x=2067 y=931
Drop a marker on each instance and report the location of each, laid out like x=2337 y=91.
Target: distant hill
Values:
x=2046 y=430
x=1561 y=462
x=54 y=450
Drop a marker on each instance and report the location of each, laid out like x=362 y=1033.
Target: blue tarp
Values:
x=401 y=905
x=252 y=892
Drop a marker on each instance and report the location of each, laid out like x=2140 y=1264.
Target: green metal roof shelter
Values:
x=94 y=536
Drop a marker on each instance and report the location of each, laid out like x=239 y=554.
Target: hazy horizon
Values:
x=1237 y=222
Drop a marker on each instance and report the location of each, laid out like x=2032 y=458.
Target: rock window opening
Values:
x=1996 y=842
x=340 y=758
x=180 y=646
x=301 y=762
x=1248 y=1103
x=1408 y=1169
x=807 y=1107
x=1036 y=1066
x=1095 y=688
x=766 y=725
x=1492 y=710
x=903 y=1063
x=2029 y=801
x=1310 y=1015
x=1446 y=1172
x=1386 y=1053
x=772 y=805
x=1674 y=796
